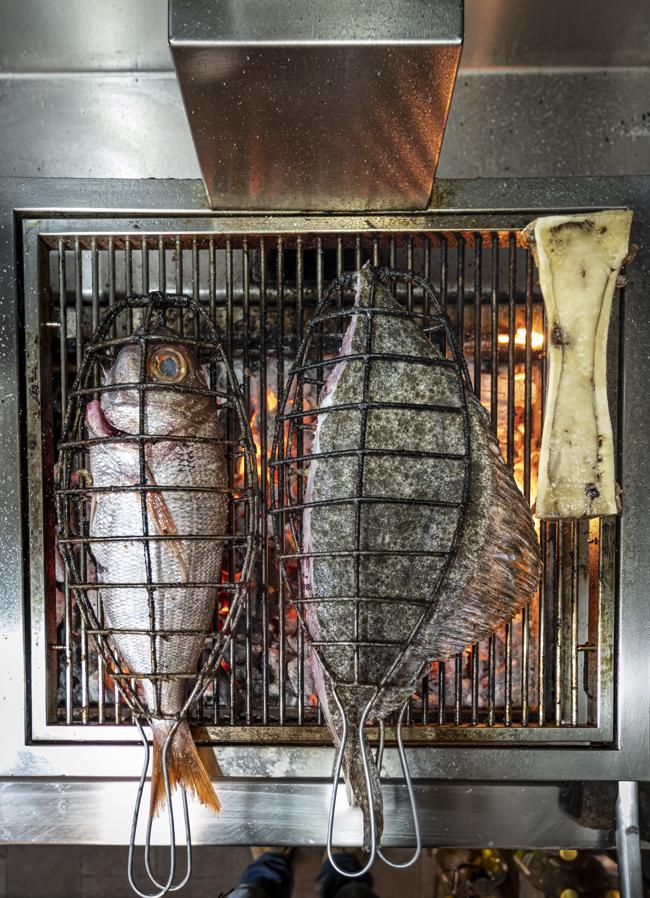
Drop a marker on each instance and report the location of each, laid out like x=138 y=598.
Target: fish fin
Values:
x=165 y=524
x=184 y=765
x=95 y=420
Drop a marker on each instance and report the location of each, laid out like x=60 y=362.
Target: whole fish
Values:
x=417 y=542
x=193 y=458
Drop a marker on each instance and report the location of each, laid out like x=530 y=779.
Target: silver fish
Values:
x=441 y=548
x=188 y=612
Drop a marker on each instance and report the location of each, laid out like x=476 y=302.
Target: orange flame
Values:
x=271 y=407
x=536 y=338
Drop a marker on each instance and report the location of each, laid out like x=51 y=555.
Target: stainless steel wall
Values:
x=71 y=35
x=87 y=89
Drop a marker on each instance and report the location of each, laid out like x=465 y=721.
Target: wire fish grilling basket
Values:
x=373 y=483
x=176 y=588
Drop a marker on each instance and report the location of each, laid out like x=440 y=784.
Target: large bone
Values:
x=579 y=258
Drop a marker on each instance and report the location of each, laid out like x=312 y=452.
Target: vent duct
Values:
x=303 y=106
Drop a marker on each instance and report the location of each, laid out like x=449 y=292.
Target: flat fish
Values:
x=417 y=542
x=192 y=457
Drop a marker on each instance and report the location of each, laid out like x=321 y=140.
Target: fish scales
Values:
x=450 y=547
x=194 y=514
x=182 y=615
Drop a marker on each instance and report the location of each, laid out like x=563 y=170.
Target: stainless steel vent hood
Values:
x=317 y=106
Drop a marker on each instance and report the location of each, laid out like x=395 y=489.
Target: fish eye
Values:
x=167 y=365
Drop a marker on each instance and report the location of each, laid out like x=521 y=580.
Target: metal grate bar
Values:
x=299 y=330
x=279 y=381
x=246 y=383
x=261 y=466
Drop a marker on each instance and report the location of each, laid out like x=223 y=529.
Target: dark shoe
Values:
x=331 y=884
x=269 y=875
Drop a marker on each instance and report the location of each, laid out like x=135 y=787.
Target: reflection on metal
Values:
x=96 y=35
x=286 y=812
x=295 y=105
x=96 y=121
x=628 y=840
x=581 y=34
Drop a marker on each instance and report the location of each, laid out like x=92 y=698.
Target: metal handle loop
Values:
x=188 y=844
x=335 y=783
x=167 y=887
x=409 y=786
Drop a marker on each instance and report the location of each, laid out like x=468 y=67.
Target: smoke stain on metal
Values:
x=443 y=195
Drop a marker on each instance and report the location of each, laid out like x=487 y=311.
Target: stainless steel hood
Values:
x=317 y=106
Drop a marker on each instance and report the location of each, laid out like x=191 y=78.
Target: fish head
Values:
x=174 y=398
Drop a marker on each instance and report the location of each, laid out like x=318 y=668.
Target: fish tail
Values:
x=184 y=766
x=356 y=780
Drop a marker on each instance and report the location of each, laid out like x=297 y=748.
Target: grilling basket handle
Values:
x=169 y=885
x=375 y=850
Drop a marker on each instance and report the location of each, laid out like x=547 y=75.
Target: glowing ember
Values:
x=271 y=401
x=271 y=407
x=536 y=338
x=256 y=437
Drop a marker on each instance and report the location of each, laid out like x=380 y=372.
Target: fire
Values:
x=313 y=700
x=519 y=433
x=271 y=407
x=256 y=439
x=536 y=338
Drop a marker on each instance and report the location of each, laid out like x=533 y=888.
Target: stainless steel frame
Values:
x=264 y=767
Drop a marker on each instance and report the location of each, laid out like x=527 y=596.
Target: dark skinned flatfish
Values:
x=439 y=551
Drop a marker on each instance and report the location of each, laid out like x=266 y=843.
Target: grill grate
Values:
x=537 y=673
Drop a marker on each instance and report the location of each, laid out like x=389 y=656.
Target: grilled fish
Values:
x=192 y=457
x=414 y=547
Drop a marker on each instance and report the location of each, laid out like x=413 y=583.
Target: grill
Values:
x=546 y=677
